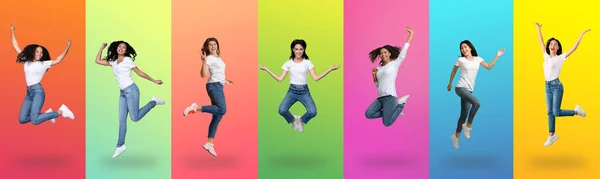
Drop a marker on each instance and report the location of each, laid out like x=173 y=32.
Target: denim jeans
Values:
x=385 y=107
x=217 y=108
x=32 y=105
x=467 y=100
x=298 y=93
x=129 y=102
x=554 y=94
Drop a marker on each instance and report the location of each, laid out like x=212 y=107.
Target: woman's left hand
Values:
x=335 y=67
x=229 y=82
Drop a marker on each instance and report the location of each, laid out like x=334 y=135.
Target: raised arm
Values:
x=404 y=50
x=62 y=55
x=99 y=59
x=145 y=76
x=317 y=78
x=452 y=74
x=576 y=44
x=14 y=39
x=491 y=65
x=279 y=78
x=539 y=29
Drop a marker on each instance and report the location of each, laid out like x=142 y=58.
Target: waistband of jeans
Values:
x=34 y=85
x=548 y=82
x=215 y=83
x=296 y=85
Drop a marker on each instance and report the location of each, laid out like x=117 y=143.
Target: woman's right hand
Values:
x=263 y=67
x=538 y=25
x=12 y=27
x=203 y=57
x=103 y=45
x=374 y=71
x=449 y=87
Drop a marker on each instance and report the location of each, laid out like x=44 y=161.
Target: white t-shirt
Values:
x=552 y=66
x=216 y=66
x=122 y=72
x=468 y=71
x=386 y=75
x=34 y=71
x=298 y=71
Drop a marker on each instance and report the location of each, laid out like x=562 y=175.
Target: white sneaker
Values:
x=454 y=140
x=119 y=151
x=550 y=140
x=467 y=131
x=66 y=112
x=295 y=123
x=300 y=125
x=403 y=99
x=580 y=111
x=401 y=113
x=190 y=109
x=158 y=100
x=53 y=120
x=210 y=148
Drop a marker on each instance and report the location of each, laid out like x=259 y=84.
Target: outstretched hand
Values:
x=334 y=67
x=538 y=25
x=12 y=27
x=409 y=30
x=586 y=31
x=263 y=67
x=159 y=82
x=229 y=82
x=69 y=42
x=500 y=52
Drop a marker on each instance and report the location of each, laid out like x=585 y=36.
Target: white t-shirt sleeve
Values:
x=286 y=66
x=479 y=60
x=309 y=65
x=562 y=57
x=47 y=64
x=129 y=63
x=457 y=62
x=402 y=54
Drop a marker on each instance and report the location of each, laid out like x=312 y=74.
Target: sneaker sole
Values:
x=120 y=153
x=208 y=151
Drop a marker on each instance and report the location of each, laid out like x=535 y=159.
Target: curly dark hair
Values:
x=28 y=54
x=111 y=54
x=394 y=50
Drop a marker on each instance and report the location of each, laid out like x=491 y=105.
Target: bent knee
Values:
x=312 y=113
x=23 y=120
x=387 y=124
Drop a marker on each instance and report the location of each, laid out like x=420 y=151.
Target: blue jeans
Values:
x=385 y=107
x=129 y=102
x=298 y=93
x=32 y=105
x=467 y=101
x=554 y=94
x=217 y=107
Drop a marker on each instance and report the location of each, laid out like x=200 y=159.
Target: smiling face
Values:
x=384 y=54
x=39 y=53
x=465 y=49
x=122 y=49
x=553 y=47
x=298 y=51
x=213 y=47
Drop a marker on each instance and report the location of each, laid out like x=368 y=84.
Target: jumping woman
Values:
x=36 y=61
x=468 y=63
x=120 y=57
x=213 y=66
x=553 y=62
x=298 y=66
x=387 y=105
